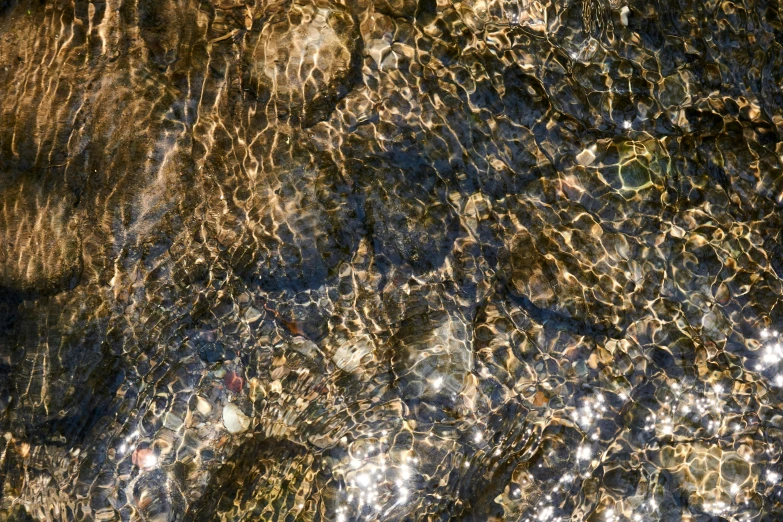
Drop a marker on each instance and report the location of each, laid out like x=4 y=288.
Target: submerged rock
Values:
x=234 y=420
x=490 y=261
x=233 y=381
x=303 y=57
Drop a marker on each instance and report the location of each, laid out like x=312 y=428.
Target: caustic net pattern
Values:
x=391 y=260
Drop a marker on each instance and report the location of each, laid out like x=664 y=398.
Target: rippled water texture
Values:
x=391 y=260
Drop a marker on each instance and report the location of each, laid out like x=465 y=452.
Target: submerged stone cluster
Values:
x=391 y=260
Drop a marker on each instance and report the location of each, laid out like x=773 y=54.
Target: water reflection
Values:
x=378 y=479
x=391 y=260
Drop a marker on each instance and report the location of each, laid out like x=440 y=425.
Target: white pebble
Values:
x=624 y=12
x=234 y=420
x=203 y=406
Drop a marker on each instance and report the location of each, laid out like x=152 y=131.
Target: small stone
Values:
x=624 y=12
x=172 y=421
x=234 y=420
x=305 y=347
x=203 y=406
x=540 y=399
x=252 y=315
x=723 y=294
x=586 y=157
x=233 y=382
x=353 y=354
x=635 y=176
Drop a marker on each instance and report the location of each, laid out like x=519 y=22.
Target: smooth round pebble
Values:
x=234 y=420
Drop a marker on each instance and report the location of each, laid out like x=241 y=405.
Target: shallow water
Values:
x=391 y=260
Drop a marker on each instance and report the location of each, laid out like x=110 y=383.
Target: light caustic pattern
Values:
x=391 y=260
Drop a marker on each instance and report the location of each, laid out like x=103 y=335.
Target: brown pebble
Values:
x=233 y=382
x=539 y=399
